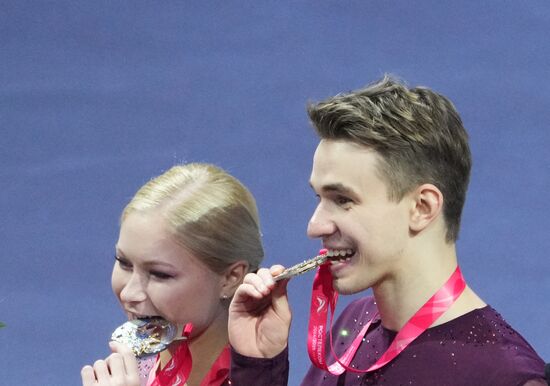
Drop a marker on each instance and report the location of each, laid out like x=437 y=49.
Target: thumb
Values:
x=279 y=299
x=114 y=346
x=120 y=348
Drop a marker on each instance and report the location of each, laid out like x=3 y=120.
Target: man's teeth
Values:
x=340 y=255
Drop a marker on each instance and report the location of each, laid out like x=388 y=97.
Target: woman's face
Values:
x=155 y=276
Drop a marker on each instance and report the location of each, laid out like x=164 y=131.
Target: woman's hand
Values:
x=118 y=369
x=259 y=315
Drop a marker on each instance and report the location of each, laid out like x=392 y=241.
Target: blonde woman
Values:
x=187 y=239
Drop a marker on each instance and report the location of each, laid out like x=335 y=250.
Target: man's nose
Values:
x=320 y=225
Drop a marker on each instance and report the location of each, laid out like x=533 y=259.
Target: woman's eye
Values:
x=124 y=264
x=161 y=275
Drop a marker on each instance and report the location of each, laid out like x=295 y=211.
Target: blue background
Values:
x=96 y=97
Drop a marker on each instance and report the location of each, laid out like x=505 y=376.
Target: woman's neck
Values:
x=204 y=348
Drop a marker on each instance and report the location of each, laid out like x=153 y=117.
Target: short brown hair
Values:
x=416 y=131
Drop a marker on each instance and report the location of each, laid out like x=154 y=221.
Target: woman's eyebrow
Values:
x=156 y=263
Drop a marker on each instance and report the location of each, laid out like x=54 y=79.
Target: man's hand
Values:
x=259 y=315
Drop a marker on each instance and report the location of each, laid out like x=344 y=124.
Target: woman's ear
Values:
x=232 y=278
x=426 y=206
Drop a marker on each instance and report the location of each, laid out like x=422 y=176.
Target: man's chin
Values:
x=342 y=288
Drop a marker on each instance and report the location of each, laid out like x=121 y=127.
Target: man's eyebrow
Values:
x=336 y=188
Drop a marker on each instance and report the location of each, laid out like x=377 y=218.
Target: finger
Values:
x=267 y=277
x=281 y=288
x=279 y=299
x=130 y=361
x=258 y=281
x=245 y=292
x=115 y=363
x=276 y=269
x=88 y=376
x=101 y=370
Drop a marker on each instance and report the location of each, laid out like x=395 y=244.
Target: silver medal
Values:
x=302 y=267
x=146 y=336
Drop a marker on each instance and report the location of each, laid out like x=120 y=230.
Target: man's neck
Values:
x=407 y=290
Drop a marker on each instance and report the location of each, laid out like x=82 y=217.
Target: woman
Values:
x=187 y=239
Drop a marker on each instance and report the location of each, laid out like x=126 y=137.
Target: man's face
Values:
x=354 y=217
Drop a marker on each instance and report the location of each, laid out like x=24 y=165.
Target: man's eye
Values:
x=342 y=200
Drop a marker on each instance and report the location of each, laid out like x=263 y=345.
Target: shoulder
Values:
x=488 y=346
x=515 y=354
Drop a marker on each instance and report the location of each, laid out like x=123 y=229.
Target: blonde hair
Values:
x=209 y=212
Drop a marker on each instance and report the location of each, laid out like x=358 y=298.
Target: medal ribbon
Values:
x=220 y=369
x=324 y=298
x=177 y=370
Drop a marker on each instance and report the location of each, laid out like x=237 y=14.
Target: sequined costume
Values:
x=478 y=348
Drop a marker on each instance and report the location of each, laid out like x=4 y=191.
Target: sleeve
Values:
x=259 y=371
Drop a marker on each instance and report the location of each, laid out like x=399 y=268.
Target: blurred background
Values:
x=96 y=97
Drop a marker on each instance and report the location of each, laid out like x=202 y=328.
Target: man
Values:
x=391 y=173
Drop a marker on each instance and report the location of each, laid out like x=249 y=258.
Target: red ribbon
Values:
x=220 y=369
x=177 y=370
x=324 y=297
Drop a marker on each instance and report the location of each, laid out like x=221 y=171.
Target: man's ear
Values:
x=426 y=206
x=232 y=278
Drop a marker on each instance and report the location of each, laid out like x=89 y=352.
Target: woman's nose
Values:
x=134 y=289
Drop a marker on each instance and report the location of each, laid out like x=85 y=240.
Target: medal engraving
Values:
x=302 y=267
x=146 y=336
